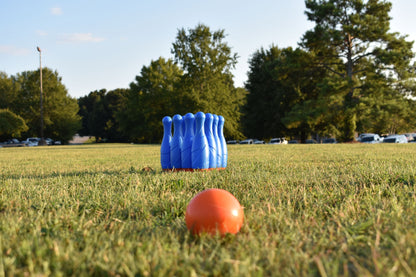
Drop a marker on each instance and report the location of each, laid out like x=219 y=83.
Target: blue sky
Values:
x=95 y=44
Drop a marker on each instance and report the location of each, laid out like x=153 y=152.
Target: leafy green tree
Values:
x=11 y=124
x=8 y=91
x=353 y=43
x=61 y=120
x=207 y=82
x=389 y=114
x=153 y=95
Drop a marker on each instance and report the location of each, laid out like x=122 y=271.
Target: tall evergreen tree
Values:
x=353 y=43
x=86 y=107
x=99 y=115
x=281 y=86
x=99 y=110
x=264 y=107
x=114 y=101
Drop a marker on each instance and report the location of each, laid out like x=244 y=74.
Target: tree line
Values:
x=197 y=78
x=348 y=74
x=20 y=109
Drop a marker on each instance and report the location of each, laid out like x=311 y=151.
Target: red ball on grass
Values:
x=214 y=211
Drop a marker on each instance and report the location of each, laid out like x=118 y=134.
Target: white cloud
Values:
x=80 y=37
x=13 y=50
x=41 y=33
x=56 y=11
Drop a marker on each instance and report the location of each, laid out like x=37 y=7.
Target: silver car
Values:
x=246 y=141
x=395 y=139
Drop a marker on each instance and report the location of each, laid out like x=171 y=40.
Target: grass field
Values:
x=310 y=210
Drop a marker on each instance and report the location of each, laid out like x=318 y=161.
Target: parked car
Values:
x=293 y=141
x=364 y=135
x=49 y=141
x=246 y=141
x=329 y=140
x=11 y=141
x=373 y=138
x=410 y=136
x=31 y=141
x=310 y=141
x=278 y=141
x=256 y=141
x=232 y=142
x=395 y=139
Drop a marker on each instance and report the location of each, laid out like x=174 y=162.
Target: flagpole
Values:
x=42 y=140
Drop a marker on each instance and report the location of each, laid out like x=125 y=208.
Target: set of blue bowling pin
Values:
x=197 y=144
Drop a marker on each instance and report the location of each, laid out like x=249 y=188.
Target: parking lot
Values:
x=362 y=138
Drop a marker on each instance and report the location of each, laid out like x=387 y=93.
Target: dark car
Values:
x=12 y=141
x=329 y=140
x=373 y=138
x=278 y=141
x=310 y=141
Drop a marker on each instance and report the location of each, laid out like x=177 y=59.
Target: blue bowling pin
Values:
x=183 y=127
x=200 y=147
x=221 y=121
x=176 y=143
x=217 y=139
x=165 y=147
x=209 y=118
x=188 y=139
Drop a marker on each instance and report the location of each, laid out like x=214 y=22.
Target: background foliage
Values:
x=21 y=95
x=11 y=124
x=349 y=74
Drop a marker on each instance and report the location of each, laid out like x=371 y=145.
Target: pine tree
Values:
x=353 y=43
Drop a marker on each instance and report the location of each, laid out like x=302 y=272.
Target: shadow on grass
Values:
x=92 y=146
x=79 y=174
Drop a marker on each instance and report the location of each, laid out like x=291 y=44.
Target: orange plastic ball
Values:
x=214 y=211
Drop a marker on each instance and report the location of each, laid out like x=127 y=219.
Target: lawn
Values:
x=108 y=210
